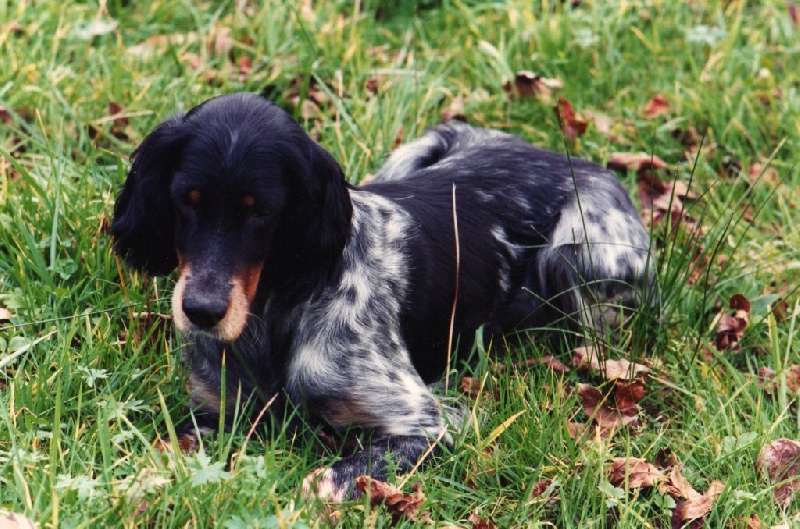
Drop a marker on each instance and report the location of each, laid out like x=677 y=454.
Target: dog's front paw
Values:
x=321 y=483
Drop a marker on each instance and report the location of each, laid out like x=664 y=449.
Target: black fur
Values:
x=338 y=299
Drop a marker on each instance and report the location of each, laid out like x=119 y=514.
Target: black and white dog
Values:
x=338 y=299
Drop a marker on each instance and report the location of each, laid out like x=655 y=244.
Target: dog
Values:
x=341 y=300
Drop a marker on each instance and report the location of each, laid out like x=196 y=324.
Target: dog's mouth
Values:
x=214 y=307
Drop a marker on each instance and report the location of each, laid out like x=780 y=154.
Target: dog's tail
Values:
x=434 y=146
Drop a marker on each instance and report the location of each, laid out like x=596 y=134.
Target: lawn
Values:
x=693 y=103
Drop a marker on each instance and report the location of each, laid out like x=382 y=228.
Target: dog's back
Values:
x=545 y=240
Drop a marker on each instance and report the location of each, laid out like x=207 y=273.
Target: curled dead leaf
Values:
x=610 y=418
x=479 y=523
x=701 y=505
x=730 y=328
x=528 y=85
x=779 y=460
x=759 y=172
x=590 y=358
x=657 y=106
x=634 y=473
x=572 y=125
x=398 y=504
x=693 y=505
x=623 y=161
x=767 y=379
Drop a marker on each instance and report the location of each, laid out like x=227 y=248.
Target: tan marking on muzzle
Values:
x=243 y=290
x=181 y=320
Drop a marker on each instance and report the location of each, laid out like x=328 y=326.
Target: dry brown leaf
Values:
x=702 y=504
x=693 y=505
x=5 y=315
x=608 y=418
x=572 y=125
x=553 y=363
x=13 y=520
x=540 y=488
x=766 y=379
x=730 y=329
x=634 y=473
x=657 y=106
x=245 y=66
x=748 y=522
x=398 y=504
x=576 y=430
x=628 y=395
x=528 y=85
x=455 y=110
x=758 y=172
x=677 y=486
x=636 y=161
x=779 y=460
x=589 y=358
x=372 y=84
x=479 y=523
x=601 y=122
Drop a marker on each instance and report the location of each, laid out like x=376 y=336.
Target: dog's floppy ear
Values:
x=328 y=211
x=144 y=223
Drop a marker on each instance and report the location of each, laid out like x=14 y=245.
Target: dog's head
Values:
x=236 y=196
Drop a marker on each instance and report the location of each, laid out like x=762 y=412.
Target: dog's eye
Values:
x=253 y=209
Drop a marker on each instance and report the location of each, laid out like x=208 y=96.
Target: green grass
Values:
x=86 y=387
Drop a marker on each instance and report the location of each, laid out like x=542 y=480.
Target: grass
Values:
x=87 y=383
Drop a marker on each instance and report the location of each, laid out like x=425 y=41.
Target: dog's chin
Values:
x=224 y=331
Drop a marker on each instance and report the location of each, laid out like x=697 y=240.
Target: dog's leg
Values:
x=383 y=394
x=384 y=455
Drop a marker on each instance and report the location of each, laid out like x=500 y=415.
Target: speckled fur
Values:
x=336 y=300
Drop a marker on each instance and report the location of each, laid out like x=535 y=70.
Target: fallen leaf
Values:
x=372 y=84
x=245 y=66
x=553 y=363
x=5 y=315
x=608 y=418
x=398 y=504
x=634 y=473
x=471 y=387
x=455 y=110
x=657 y=106
x=479 y=523
x=13 y=520
x=702 y=504
x=677 y=486
x=759 y=172
x=221 y=41
x=572 y=125
x=601 y=122
x=540 y=488
x=779 y=460
x=730 y=328
x=767 y=379
x=528 y=85
x=13 y=27
x=638 y=162
x=590 y=358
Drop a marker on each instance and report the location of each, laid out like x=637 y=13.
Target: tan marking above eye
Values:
x=194 y=196
x=248 y=201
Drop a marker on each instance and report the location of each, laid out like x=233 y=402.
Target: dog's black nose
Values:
x=205 y=313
